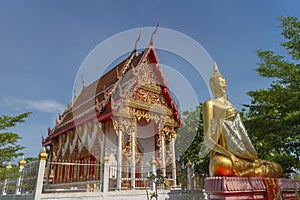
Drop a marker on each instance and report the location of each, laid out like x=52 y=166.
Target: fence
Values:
x=23 y=183
x=74 y=176
x=141 y=177
x=39 y=178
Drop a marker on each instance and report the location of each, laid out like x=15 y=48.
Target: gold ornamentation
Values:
x=127 y=151
x=43 y=154
x=173 y=134
x=146 y=74
x=22 y=162
x=232 y=153
x=144 y=94
x=122 y=123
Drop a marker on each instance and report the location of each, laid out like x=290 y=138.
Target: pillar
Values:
x=173 y=136
x=40 y=177
x=21 y=166
x=119 y=160
x=8 y=167
x=189 y=175
x=133 y=159
x=105 y=175
x=153 y=171
x=4 y=187
x=102 y=152
x=163 y=154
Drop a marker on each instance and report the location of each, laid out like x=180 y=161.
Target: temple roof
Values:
x=94 y=100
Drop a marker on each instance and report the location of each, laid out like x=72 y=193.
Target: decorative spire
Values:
x=137 y=40
x=8 y=167
x=49 y=131
x=22 y=162
x=43 y=154
x=151 y=41
x=216 y=70
x=214 y=77
x=74 y=93
x=189 y=163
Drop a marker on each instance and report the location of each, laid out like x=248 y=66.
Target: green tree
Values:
x=273 y=118
x=9 y=148
x=31 y=159
x=12 y=172
x=191 y=136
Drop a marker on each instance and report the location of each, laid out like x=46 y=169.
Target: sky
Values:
x=43 y=44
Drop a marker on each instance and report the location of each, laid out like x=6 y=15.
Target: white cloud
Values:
x=48 y=105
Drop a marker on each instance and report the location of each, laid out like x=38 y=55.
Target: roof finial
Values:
x=82 y=80
x=74 y=96
x=137 y=40
x=157 y=24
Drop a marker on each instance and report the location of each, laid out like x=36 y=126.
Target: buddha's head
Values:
x=217 y=83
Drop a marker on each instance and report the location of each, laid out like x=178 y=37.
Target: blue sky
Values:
x=43 y=43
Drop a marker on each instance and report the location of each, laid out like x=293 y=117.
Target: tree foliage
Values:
x=13 y=172
x=9 y=148
x=191 y=136
x=273 y=119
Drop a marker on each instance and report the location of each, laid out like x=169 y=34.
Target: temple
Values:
x=127 y=114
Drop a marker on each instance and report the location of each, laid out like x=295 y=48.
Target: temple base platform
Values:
x=251 y=188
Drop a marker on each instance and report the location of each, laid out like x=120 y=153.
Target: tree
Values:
x=12 y=172
x=191 y=135
x=273 y=119
x=9 y=148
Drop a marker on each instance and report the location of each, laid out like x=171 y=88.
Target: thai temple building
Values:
x=128 y=115
x=115 y=134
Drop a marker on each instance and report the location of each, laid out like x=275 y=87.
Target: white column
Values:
x=102 y=154
x=163 y=154
x=105 y=175
x=8 y=167
x=4 y=187
x=21 y=165
x=102 y=150
x=133 y=159
x=40 y=176
x=189 y=175
x=119 y=160
x=173 y=159
x=153 y=171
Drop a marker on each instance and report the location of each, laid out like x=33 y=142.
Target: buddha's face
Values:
x=220 y=86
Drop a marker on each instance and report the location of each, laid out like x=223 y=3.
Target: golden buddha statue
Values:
x=231 y=151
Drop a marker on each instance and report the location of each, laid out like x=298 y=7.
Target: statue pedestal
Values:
x=251 y=188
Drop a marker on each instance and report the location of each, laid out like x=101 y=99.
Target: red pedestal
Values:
x=251 y=188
